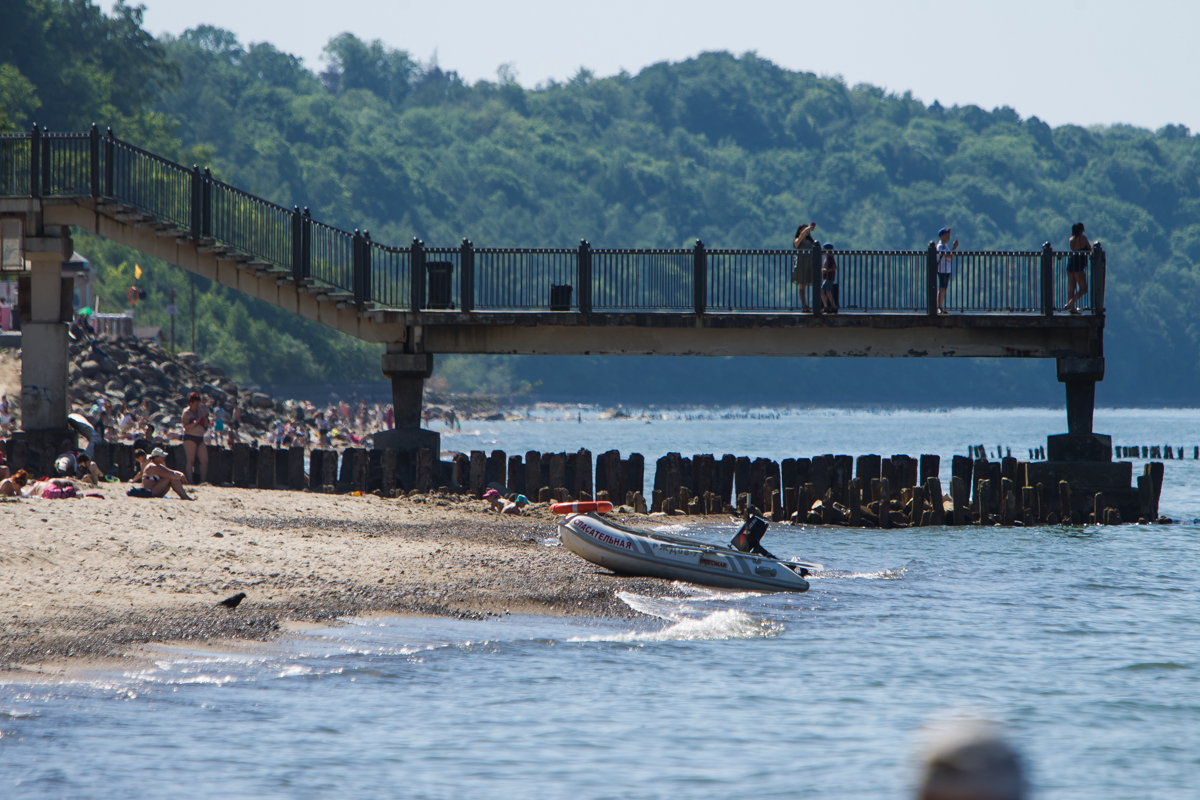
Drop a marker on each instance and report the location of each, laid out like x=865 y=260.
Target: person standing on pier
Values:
x=801 y=267
x=1077 y=264
x=829 y=270
x=945 y=266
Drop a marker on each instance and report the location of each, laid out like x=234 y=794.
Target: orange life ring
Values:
x=132 y=295
x=601 y=506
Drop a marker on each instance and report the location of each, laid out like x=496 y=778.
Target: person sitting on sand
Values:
x=86 y=470
x=500 y=504
x=10 y=487
x=142 y=460
x=159 y=479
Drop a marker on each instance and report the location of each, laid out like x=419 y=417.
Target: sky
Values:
x=1084 y=62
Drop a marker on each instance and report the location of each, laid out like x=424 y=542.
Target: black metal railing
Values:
x=467 y=279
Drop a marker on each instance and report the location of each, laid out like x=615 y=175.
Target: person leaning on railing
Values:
x=945 y=266
x=1077 y=264
x=801 y=265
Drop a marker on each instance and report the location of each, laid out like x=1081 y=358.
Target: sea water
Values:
x=1084 y=643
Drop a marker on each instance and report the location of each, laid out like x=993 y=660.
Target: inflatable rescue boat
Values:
x=743 y=564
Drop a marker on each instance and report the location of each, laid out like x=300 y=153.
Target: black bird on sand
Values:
x=232 y=602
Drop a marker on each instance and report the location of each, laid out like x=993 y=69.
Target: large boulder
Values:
x=89 y=368
x=115 y=385
x=260 y=400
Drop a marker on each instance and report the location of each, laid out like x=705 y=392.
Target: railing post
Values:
x=416 y=281
x=197 y=195
x=931 y=287
x=364 y=270
x=466 y=276
x=356 y=266
x=1047 y=280
x=206 y=225
x=700 y=278
x=94 y=161
x=297 y=244
x=47 y=183
x=109 y=164
x=814 y=265
x=584 y=277
x=35 y=161
x=305 y=244
x=1099 y=274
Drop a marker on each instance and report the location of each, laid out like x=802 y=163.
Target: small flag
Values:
x=137 y=272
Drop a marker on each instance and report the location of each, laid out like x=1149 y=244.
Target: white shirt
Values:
x=945 y=258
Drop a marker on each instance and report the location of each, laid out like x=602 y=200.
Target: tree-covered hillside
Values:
x=733 y=150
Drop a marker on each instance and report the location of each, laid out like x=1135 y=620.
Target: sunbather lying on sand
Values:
x=51 y=488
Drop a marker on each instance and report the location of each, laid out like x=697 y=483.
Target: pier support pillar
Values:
x=1080 y=443
x=407 y=372
x=46 y=312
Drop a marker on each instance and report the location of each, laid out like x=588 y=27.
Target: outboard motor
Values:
x=749 y=535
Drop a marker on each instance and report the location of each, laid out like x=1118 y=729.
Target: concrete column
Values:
x=1080 y=376
x=406 y=399
x=44 y=341
x=1080 y=443
x=407 y=372
x=1081 y=403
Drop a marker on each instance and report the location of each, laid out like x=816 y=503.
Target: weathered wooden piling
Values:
x=266 y=467
x=516 y=475
x=533 y=473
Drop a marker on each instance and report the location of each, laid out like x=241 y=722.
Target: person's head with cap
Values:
x=944 y=234
x=828 y=246
x=493 y=497
x=970 y=761
x=157 y=452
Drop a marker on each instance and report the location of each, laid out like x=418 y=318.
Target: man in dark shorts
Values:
x=945 y=266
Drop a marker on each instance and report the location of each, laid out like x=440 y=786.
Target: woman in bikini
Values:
x=159 y=479
x=195 y=426
x=1077 y=264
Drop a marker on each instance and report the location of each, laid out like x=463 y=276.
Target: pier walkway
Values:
x=420 y=300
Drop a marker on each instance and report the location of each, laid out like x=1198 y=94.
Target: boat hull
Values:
x=628 y=551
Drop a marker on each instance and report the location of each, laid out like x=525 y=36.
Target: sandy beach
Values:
x=91 y=580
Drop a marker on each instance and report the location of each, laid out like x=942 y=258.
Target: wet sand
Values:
x=90 y=580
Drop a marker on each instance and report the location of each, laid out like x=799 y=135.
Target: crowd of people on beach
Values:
x=803 y=273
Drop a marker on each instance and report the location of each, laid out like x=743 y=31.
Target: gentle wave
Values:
x=725 y=624
x=881 y=575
